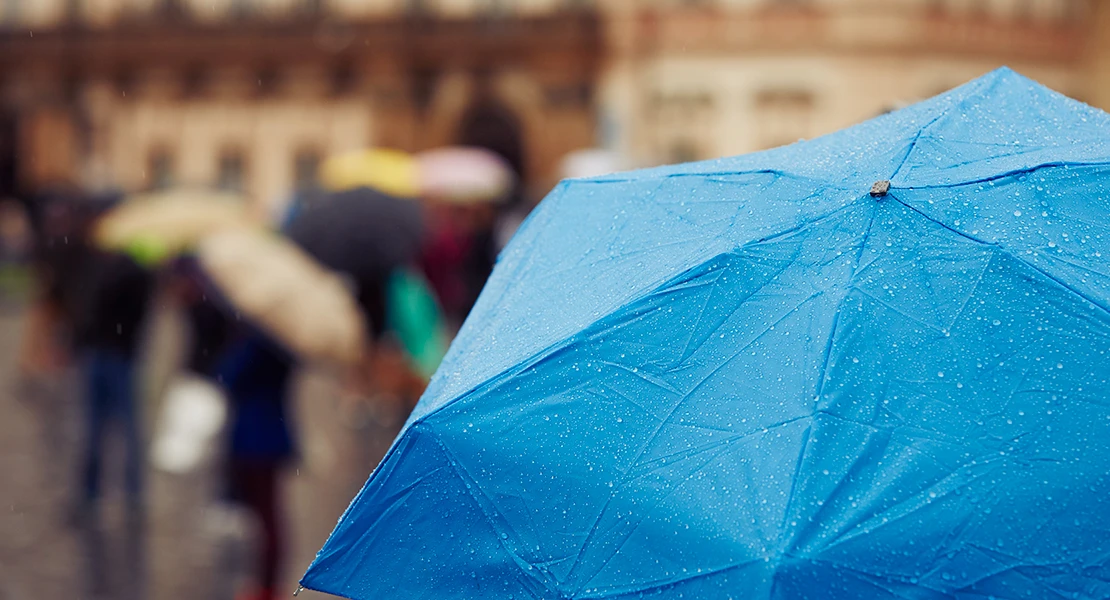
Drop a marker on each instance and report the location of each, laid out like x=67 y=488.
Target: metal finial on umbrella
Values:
x=880 y=188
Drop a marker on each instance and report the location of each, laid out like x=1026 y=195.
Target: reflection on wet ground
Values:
x=187 y=545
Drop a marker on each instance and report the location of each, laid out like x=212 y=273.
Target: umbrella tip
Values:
x=299 y=589
x=880 y=188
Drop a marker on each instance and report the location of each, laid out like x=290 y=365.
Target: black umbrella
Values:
x=362 y=233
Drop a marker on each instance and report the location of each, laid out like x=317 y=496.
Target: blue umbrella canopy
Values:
x=870 y=365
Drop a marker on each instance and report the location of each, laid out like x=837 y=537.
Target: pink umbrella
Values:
x=464 y=175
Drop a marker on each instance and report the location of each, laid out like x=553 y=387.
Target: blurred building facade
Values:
x=251 y=94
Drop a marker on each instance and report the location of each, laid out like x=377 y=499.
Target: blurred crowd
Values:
x=366 y=275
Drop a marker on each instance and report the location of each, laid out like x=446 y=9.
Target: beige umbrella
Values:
x=152 y=227
x=285 y=292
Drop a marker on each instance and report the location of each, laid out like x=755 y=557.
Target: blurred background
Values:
x=251 y=94
x=252 y=97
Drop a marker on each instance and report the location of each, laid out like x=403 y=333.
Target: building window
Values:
x=783 y=116
x=306 y=167
x=160 y=169
x=231 y=172
x=685 y=124
x=683 y=151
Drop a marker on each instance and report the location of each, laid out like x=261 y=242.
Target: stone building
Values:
x=250 y=94
x=709 y=78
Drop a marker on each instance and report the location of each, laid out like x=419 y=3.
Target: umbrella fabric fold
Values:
x=286 y=293
x=768 y=377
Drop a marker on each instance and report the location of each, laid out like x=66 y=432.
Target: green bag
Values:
x=414 y=316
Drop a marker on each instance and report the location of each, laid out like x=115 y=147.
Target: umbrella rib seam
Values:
x=1101 y=162
x=1004 y=250
x=824 y=367
x=665 y=584
x=710 y=174
x=456 y=466
x=542 y=354
x=947 y=111
x=913 y=145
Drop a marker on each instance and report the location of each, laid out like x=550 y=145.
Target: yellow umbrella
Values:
x=152 y=227
x=285 y=292
x=390 y=171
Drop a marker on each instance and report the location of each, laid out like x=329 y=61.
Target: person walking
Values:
x=256 y=374
x=108 y=333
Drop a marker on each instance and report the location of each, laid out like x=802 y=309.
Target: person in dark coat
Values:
x=209 y=327
x=257 y=374
x=57 y=252
x=115 y=293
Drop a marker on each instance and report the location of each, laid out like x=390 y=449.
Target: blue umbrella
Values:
x=870 y=365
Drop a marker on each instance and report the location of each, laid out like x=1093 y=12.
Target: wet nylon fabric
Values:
x=747 y=378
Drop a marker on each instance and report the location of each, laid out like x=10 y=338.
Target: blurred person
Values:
x=446 y=249
x=15 y=233
x=53 y=218
x=367 y=237
x=14 y=251
x=256 y=374
x=43 y=353
x=459 y=254
x=208 y=324
x=461 y=248
x=114 y=294
x=108 y=329
x=193 y=407
x=75 y=287
x=481 y=220
x=383 y=384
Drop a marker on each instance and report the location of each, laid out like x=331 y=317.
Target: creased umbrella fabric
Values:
x=748 y=378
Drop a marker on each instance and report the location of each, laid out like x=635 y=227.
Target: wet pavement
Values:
x=189 y=546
